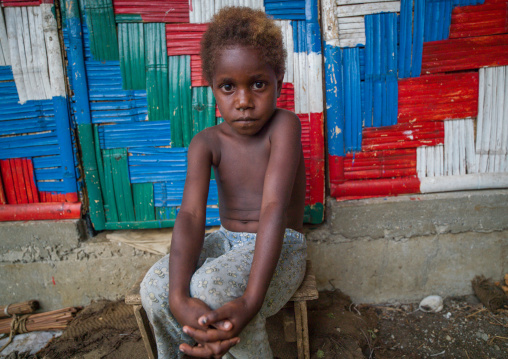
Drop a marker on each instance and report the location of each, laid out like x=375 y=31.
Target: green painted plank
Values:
x=132 y=56
x=143 y=201
x=98 y=156
x=165 y=213
x=122 y=185
x=140 y=225
x=314 y=213
x=203 y=109
x=100 y=21
x=180 y=100
x=108 y=189
x=128 y=18
x=157 y=83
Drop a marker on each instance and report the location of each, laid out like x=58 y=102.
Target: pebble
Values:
x=449 y=338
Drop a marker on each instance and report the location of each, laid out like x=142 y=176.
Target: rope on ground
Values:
x=18 y=326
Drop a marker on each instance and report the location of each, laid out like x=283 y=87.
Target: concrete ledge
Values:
x=384 y=270
x=404 y=248
x=50 y=261
x=417 y=215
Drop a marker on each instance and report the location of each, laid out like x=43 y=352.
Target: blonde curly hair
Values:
x=242 y=26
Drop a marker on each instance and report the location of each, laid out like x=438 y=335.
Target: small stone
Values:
x=449 y=338
x=485 y=337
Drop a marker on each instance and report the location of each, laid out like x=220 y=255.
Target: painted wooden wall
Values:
x=37 y=155
x=416 y=95
x=140 y=97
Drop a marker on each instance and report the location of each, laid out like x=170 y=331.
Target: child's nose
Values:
x=243 y=99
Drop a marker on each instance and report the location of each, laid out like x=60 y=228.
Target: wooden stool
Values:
x=295 y=322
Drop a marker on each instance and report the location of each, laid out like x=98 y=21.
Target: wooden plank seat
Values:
x=295 y=315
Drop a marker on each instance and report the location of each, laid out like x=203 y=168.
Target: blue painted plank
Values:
x=334 y=100
x=170 y=194
x=157 y=164
x=135 y=134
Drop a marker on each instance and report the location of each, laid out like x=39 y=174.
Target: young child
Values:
x=223 y=287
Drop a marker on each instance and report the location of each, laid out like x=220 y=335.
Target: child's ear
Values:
x=279 y=84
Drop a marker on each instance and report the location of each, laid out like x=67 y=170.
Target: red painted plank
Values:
x=184 y=39
x=10 y=3
x=464 y=54
x=490 y=18
x=33 y=186
x=376 y=187
x=27 y=180
x=40 y=211
x=336 y=169
x=8 y=180
x=438 y=97
x=3 y=199
x=17 y=176
x=317 y=156
x=286 y=99
x=197 y=78
x=155 y=10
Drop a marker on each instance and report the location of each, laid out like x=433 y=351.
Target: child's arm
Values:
x=188 y=233
x=285 y=156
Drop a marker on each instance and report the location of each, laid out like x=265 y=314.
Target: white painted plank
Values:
x=448 y=148
x=351 y=42
x=315 y=82
x=420 y=169
x=504 y=141
x=440 y=154
x=304 y=83
x=493 y=121
x=429 y=156
x=487 y=114
x=351 y=2
x=498 y=146
x=367 y=9
x=464 y=182
x=53 y=51
x=12 y=14
x=330 y=22
x=5 y=55
x=351 y=20
x=481 y=105
x=296 y=82
x=39 y=49
x=470 y=151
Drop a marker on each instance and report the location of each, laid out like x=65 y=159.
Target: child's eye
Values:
x=258 y=85
x=227 y=87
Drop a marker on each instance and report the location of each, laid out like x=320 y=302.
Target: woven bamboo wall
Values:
x=37 y=155
x=147 y=99
x=417 y=96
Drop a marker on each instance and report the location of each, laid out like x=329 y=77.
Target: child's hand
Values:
x=219 y=329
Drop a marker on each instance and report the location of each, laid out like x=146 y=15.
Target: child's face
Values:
x=245 y=88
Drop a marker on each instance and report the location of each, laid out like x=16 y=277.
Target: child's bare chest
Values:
x=242 y=168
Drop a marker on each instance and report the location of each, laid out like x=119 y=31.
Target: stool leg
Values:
x=146 y=331
x=302 y=330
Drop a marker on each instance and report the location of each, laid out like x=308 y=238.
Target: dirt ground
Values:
x=338 y=329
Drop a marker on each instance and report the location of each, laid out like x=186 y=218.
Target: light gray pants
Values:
x=222 y=275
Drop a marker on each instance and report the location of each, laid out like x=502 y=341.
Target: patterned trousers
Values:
x=222 y=275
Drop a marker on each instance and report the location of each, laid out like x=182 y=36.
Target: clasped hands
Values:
x=215 y=331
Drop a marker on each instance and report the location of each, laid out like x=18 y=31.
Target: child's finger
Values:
x=215 y=350
x=216 y=317
x=223 y=325
x=207 y=336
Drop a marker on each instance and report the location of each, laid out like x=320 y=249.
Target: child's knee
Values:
x=154 y=289
x=210 y=288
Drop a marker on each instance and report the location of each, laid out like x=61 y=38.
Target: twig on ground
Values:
x=496 y=337
x=354 y=307
x=433 y=355
x=467 y=354
x=477 y=312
